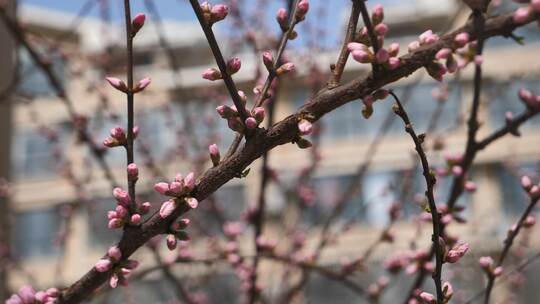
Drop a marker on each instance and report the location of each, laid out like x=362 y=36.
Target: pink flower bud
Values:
x=268 y=60
x=428 y=37
x=302 y=8
x=171 y=242
x=362 y=56
x=142 y=84
x=192 y=202
x=133 y=171
x=214 y=154
x=135 y=219
x=378 y=14
x=281 y=17
x=114 y=253
x=27 y=294
x=413 y=46
x=189 y=181
x=285 y=68
x=145 y=207
x=121 y=196
x=535 y=191
x=41 y=296
x=535 y=5
x=212 y=74
x=462 y=39
x=497 y=271
x=103 y=265
x=353 y=46
x=137 y=23
x=167 y=208
x=233 y=65
x=115 y=223
x=259 y=114
x=113 y=281
x=527 y=97
x=526 y=182
x=161 y=188
x=117 y=84
x=53 y=292
x=251 y=123
x=443 y=53
x=427 y=297
x=118 y=133
x=448 y=291
x=393 y=63
x=176 y=188
x=393 y=49
x=381 y=29
x=111 y=215
x=457 y=171
x=219 y=12
x=470 y=186
x=529 y=221
x=121 y=211
x=382 y=56
x=478 y=59
x=521 y=15
x=457 y=252
x=485 y=262
x=305 y=127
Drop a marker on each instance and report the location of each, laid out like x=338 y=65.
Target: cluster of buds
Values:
x=282 y=17
x=118 y=137
x=233 y=118
x=27 y=295
x=233 y=66
x=177 y=233
x=487 y=264
x=120 y=216
x=214 y=13
x=522 y=14
x=120 y=268
x=388 y=57
x=429 y=298
x=453 y=167
x=368 y=101
x=530 y=100
x=180 y=189
x=532 y=189
x=121 y=86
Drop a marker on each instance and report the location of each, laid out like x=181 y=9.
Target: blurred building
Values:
x=179 y=99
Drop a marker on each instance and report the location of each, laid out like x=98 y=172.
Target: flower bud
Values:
x=251 y=123
x=443 y=53
x=137 y=23
x=121 y=196
x=192 y=202
x=462 y=39
x=382 y=55
x=114 y=253
x=161 y=188
x=133 y=171
x=305 y=127
x=362 y=56
x=377 y=15
x=171 y=242
x=258 y=113
x=135 y=219
x=381 y=29
x=167 y=208
x=218 y=12
x=393 y=49
x=526 y=183
x=268 y=60
x=142 y=84
x=233 y=65
x=281 y=18
x=103 y=265
x=117 y=83
x=214 y=154
x=115 y=223
x=301 y=9
x=521 y=15
x=427 y=297
x=113 y=281
x=393 y=63
x=189 y=181
x=212 y=74
x=145 y=207
x=285 y=68
x=485 y=262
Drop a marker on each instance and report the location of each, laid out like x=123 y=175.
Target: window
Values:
x=35 y=231
x=35 y=155
x=33 y=80
x=504 y=97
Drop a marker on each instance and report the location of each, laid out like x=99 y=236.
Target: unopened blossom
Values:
x=381 y=29
x=212 y=74
x=233 y=65
x=192 y=202
x=470 y=186
x=393 y=63
x=448 y=291
x=114 y=253
x=382 y=55
x=214 y=154
x=167 y=208
x=427 y=297
x=268 y=60
x=145 y=207
x=428 y=37
x=529 y=221
x=526 y=182
x=259 y=114
x=413 y=46
x=251 y=123
x=362 y=56
x=377 y=16
x=113 y=281
x=137 y=23
x=135 y=219
x=218 y=12
x=443 y=53
x=171 y=241
x=103 y=265
x=301 y=9
x=117 y=83
x=189 y=181
x=457 y=252
x=121 y=196
x=281 y=18
x=462 y=39
x=285 y=68
x=142 y=84
x=305 y=127
x=521 y=15
x=485 y=262
x=133 y=171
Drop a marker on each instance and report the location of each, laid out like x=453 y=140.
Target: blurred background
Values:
x=55 y=196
